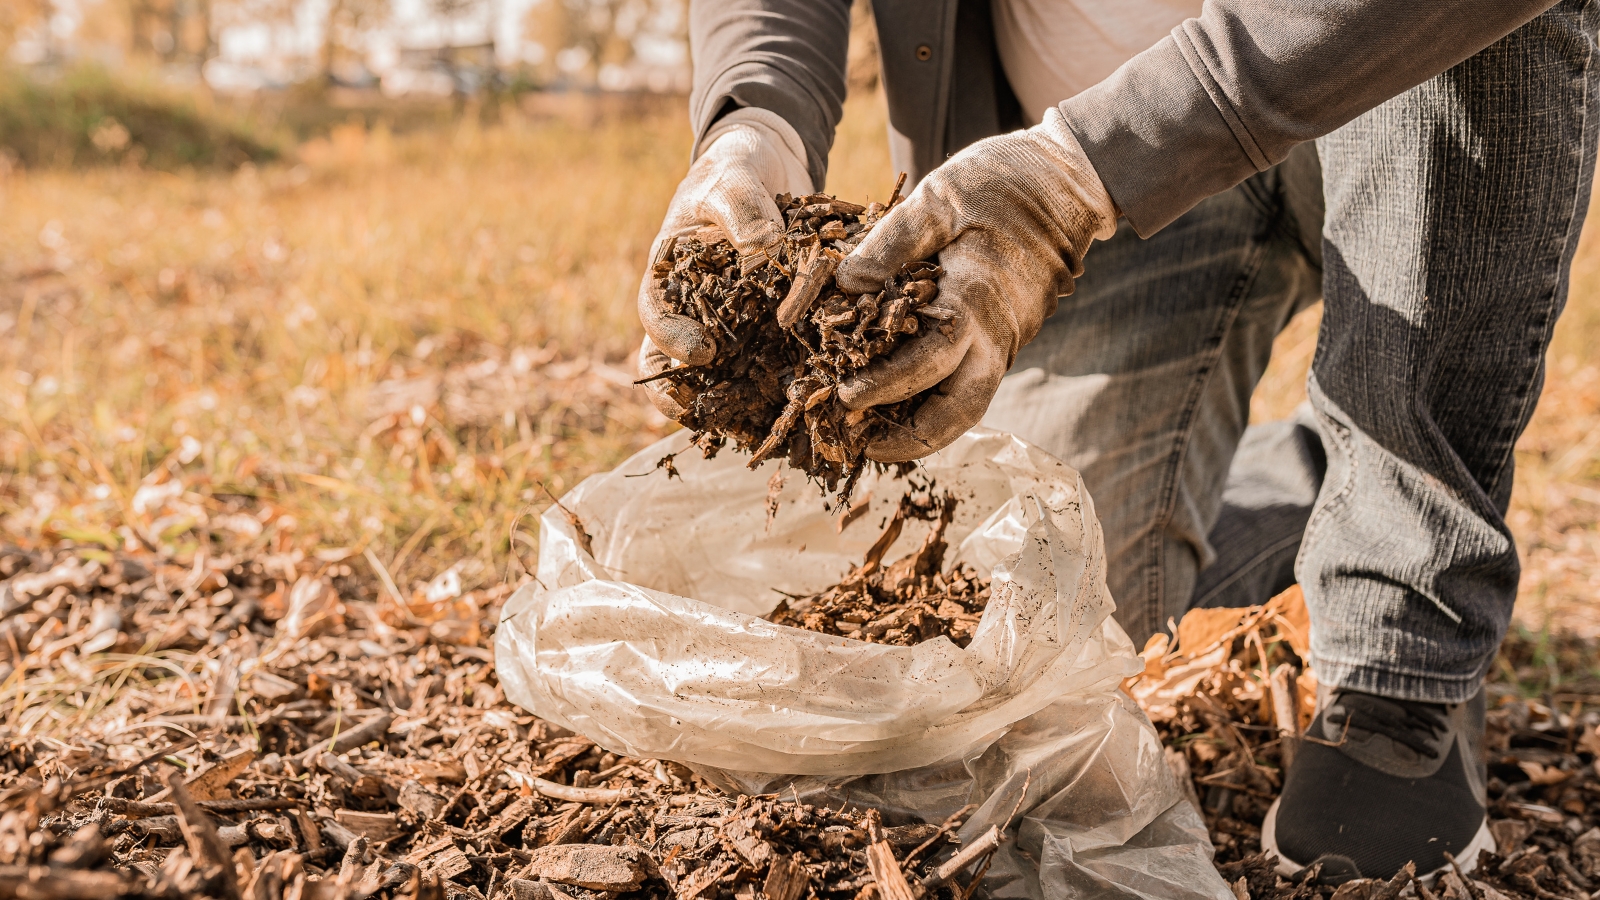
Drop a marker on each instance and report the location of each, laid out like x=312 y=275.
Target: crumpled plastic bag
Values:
x=1084 y=784
x=644 y=635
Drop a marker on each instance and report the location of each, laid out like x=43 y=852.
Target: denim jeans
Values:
x=1439 y=229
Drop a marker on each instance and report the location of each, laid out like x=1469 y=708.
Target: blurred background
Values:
x=350 y=284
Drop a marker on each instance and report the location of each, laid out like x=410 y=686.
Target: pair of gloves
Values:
x=1009 y=218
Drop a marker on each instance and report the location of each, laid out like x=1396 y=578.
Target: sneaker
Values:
x=1404 y=783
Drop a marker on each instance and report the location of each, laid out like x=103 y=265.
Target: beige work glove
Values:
x=750 y=156
x=1010 y=218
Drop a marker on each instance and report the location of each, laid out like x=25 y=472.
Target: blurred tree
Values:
x=170 y=32
x=27 y=18
x=345 y=29
x=584 y=37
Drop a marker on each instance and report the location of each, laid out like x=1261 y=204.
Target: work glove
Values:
x=751 y=155
x=1010 y=218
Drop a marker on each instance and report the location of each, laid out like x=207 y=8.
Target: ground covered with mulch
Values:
x=292 y=726
x=1230 y=694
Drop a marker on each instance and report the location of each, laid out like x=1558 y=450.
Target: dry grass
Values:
x=395 y=340
x=392 y=342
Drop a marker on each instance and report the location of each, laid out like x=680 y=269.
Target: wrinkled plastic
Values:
x=1094 y=810
x=653 y=646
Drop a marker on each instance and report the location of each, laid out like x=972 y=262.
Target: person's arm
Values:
x=769 y=83
x=1226 y=95
x=786 y=56
x=1229 y=93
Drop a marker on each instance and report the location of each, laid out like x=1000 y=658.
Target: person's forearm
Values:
x=1231 y=92
x=787 y=56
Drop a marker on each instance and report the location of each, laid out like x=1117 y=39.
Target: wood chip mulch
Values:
x=283 y=728
x=908 y=601
x=1224 y=705
x=290 y=726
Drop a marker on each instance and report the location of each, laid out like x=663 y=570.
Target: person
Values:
x=1424 y=169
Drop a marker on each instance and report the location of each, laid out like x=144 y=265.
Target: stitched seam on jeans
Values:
x=1321 y=510
x=1156 y=580
x=1291 y=541
x=1532 y=397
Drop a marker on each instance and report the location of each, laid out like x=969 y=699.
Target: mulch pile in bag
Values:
x=787 y=336
x=906 y=602
x=1234 y=687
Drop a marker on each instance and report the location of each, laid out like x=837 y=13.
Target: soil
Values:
x=906 y=602
x=787 y=335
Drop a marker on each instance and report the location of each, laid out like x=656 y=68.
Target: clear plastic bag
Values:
x=652 y=645
x=1094 y=810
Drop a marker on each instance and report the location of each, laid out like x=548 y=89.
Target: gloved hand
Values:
x=1010 y=218
x=751 y=155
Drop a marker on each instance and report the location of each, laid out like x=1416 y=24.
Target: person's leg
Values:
x=1453 y=214
x=1142 y=378
x=1272 y=485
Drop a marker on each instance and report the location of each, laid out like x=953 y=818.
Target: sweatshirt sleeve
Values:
x=786 y=56
x=1229 y=93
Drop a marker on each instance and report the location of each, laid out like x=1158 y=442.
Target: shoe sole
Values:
x=1467 y=859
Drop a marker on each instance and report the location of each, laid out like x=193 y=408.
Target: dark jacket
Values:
x=1224 y=96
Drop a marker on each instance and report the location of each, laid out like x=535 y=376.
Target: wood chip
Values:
x=376 y=827
x=597 y=868
x=786 y=878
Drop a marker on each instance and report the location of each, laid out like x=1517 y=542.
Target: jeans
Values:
x=1439 y=230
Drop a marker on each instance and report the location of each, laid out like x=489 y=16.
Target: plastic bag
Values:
x=1083 y=782
x=649 y=642
x=612 y=646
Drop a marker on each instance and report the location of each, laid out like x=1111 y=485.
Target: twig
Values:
x=205 y=844
x=366 y=732
x=944 y=829
x=138 y=809
x=585 y=540
x=664 y=373
x=1027 y=781
x=894 y=196
x=977 y=877
x=595 y=796
x=988 y=842
x=382 y=572
x=1283 y=709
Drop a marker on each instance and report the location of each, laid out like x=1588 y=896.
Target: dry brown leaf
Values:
x=1201 y=629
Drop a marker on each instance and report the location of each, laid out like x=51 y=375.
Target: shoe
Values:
x=1382 y=783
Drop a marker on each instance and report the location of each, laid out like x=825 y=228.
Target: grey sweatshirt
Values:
x=1224 y=96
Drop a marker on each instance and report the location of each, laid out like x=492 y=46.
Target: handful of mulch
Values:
x=787 y=335
x=907 y=602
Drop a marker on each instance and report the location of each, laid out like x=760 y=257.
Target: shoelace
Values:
x=1416 y=725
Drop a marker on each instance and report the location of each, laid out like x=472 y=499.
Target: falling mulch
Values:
x=1232 y=696
x=787 y=335
x=279 y=728
x=906 y=602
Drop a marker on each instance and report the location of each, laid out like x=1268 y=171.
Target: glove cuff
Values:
x=1080 y=173
x=783 y=164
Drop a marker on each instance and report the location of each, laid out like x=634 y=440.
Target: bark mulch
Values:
x=292 y=727
x=1233 y=692
x=274 y=728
